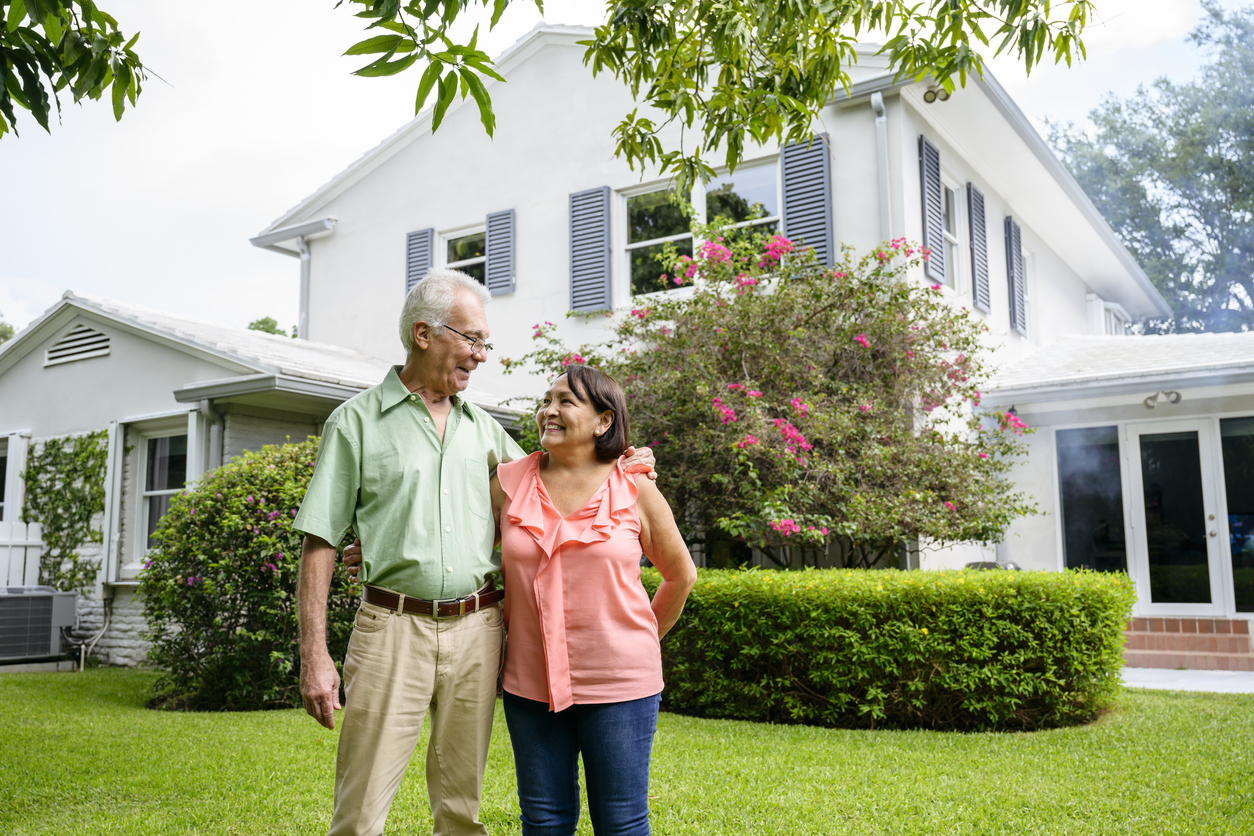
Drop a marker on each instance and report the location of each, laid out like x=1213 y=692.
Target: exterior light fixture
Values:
x=1169 y=397
x=934 y=93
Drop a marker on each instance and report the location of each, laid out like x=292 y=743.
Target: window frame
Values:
x=4 y=475
x=621 y=233
x=446 y=237
x=146 y=431
x=955 y=258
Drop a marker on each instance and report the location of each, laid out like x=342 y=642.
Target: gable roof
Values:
x=238 y=350
x=1084 y=366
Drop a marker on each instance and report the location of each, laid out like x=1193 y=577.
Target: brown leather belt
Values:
x=437 y=609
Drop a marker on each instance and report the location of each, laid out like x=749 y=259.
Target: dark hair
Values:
x=603 y=392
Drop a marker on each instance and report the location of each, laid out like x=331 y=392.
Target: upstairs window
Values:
x=468 y=253
x=950 y=226
x=749 y=198
x=654 y=219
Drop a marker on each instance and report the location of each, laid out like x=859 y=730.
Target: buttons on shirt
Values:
x=450 y=569
x=446 y=490
x=426 y=420
x=447 y=530
x=413 y=398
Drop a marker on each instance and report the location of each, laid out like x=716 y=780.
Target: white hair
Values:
x=431 y=299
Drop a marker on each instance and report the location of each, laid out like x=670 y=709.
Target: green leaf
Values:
x=381 y=43
x=121 y=80
x=448 y=89
x=17 y=11
x=486 y=115
x=387 y=68
x=484 y=69
x=429 y=77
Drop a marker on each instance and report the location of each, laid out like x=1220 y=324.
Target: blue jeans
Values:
x=614 y=739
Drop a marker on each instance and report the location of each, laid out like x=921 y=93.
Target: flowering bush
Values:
x=789 y=404
x=219 y=591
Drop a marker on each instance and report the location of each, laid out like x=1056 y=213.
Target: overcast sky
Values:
x=256 y=109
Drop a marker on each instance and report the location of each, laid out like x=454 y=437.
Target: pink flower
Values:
x=800 y=407
x=982 y=455
x=754 y=393
x=744 y=283
x=794 y=441
x=715 y=253
x=747 y=441
x=949 y=506
x=776 y=248
x=732 y=387
x=823 y=531
x=936 y=287
x=786 y=527
x=867 y=407
x=729 y=414
x=577 y=359
x=862 y=341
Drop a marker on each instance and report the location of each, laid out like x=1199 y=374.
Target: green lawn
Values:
x=81 y=755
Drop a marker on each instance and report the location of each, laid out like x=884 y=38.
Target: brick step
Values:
x=1189 y=661
x=1188 y=642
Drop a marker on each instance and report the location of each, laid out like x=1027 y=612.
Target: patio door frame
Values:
x=1219 y=562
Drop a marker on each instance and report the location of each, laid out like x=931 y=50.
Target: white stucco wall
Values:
x=250 y=431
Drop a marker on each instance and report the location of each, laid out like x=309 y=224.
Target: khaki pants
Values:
x=397 y=668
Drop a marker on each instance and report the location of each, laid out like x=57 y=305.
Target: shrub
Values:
x=219 y=591
x=964 y=650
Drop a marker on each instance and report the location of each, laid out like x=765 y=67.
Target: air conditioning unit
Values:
x=31 y=618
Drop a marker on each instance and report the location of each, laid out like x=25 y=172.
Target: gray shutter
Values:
x=419 y=247
x=500 y=253
x=980 y=292
x=933 y=210
x=807 y=215
x=1015 y=278
x=590 y=250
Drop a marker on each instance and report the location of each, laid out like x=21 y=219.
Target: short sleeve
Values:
x=330 y=502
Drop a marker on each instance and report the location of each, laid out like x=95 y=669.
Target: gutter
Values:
x=299 y=235
x=255 y=384
x=1103 y=387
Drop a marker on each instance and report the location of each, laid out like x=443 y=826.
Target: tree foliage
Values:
x=1172 y=169
x=6 y=332
x=798 y=406
x=731 y=72
x=64 y=481
x=48 y=46
x=270 y=325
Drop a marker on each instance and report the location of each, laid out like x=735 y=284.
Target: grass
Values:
x=81 y=755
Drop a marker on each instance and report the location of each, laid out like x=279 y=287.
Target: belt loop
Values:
x=400 y=603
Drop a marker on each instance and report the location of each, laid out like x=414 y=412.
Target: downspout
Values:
x=881 y=158
x=302 y=323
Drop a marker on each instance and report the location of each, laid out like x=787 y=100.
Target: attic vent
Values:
x=80 y=343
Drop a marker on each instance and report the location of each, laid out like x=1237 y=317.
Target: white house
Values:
x=553 y=222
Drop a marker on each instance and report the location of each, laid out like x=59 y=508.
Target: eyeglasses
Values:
x=476 y=343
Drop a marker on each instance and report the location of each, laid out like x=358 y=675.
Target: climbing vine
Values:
x=64 y=490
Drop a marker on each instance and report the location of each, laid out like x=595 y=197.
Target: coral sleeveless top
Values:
x=579 y=625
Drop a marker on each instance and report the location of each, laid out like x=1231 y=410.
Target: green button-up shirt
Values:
x=422 y=508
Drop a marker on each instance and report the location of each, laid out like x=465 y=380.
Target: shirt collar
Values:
x=395 y=392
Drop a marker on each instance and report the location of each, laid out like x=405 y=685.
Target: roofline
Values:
x=256 y=384
x=306 y=231
x=1103 y=387
x=1006 y=105
x=15 y=349
x=889 y=82
x=522 y=49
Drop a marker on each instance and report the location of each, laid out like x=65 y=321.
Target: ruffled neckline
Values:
x=531 y=508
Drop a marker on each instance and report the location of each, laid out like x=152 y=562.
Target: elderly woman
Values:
x=583 y=664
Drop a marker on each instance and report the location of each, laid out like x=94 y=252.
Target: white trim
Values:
x=111 y=528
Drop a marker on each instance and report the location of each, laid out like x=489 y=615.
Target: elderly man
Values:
x=406 y=464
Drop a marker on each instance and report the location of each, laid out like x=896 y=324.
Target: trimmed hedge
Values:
x=964 y=650
x=219 y=591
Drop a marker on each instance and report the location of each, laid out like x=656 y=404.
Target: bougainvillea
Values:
x=789 y=404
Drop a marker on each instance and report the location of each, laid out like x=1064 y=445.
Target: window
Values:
x=165 y=473
x=950 y=203
x=4 y=463
x=654 y=219
x=468 y=253
x=749 y=198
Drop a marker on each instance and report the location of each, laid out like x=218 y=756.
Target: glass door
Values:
x=1176 y=529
